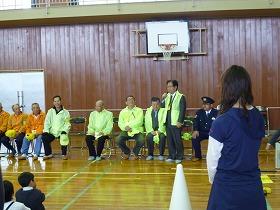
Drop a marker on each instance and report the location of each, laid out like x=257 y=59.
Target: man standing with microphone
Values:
x=174 y=103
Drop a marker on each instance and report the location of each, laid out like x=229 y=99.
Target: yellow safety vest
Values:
x=100 y=122
x=175 y=108
x=133 y=118
x=161 y=120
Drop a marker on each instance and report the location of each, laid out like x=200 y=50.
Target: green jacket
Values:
x=132 y=118
x=100 y=122
x=161 y=120
x=56 y=123
x=175 y=109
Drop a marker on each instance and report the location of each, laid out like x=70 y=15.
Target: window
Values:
x=14 y=4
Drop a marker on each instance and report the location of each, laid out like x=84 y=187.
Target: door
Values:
x=23 y=88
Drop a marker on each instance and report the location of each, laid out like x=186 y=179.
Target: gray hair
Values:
x=14 y=106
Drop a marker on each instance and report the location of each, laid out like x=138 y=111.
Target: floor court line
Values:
x=67 y=180
x=112 y=173
x=81 y=193
x=117 y=173
x=87 y=188
x=120 y=173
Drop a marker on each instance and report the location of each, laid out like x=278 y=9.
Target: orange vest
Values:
x=17 y=122
x=35 y=123
x=4 y=118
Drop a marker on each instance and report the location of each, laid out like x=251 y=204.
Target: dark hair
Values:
x=57 y=96
x=174 y=83
x=236 y=86
x=25 y=178
x=130 y=96
x=8 y=190
x=155 y=99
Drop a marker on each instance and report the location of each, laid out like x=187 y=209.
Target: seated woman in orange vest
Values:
x=34 y=130
x=4 y=118
x=15 y=130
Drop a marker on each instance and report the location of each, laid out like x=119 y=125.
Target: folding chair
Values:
x=78 y=129
x=188 y=126
x=13 y=143
x=130 y=142
x=109 y=146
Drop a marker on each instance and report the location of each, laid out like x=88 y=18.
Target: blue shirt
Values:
x=241 y=137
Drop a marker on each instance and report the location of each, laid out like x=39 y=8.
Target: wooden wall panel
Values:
x=84 y=63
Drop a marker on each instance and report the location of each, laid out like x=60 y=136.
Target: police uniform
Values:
x=202 y=124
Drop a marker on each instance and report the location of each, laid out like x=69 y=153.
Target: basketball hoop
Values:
x=167 y=50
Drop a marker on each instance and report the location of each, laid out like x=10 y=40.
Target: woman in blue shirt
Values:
x=234 y=142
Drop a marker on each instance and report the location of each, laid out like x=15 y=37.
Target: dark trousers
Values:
x=123 y=137
x=150 y=142
x=47 y=139
x=2 y=134
x=100 y=145
x=6 y=142
x=175 y=143
x=196 y=143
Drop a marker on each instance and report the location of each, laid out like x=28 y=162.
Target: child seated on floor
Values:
x=9 y=202
x=28 y=194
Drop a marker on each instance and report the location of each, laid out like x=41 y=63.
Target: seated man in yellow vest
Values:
x=99 y=127
x=155 y=128
x=57 y=125
x=131 y=125
x=15 y=130
x=4 y=118
x=34 y=130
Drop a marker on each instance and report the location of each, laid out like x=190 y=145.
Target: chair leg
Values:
x=131 y=143
x=82 y=146
x=32 y=147
x=108 y=146
x=13 y=143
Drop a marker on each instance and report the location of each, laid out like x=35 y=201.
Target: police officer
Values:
x=202 y=124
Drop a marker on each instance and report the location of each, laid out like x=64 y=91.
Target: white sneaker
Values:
x=46 y=157
x=178 y=161
x=98 y=158
x=150 y=157
x=91 y=158
x=64 y=157
x=169 y=160
x=22 y=157
x=161 y=158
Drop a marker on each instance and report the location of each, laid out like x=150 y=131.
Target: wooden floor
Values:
x=121 y=184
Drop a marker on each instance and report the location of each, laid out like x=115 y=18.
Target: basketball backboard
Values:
x=168 y=33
